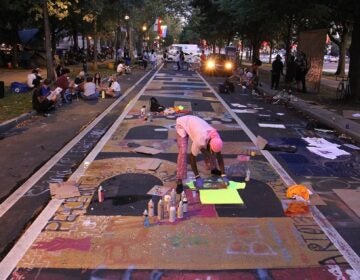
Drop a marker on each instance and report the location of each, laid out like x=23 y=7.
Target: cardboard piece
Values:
x=220 y=196
x=272 y=125
x=261 y=142
x=151 y=164
x=351 y=199
x=159 y=190
x=147 y=150
x=64 y=190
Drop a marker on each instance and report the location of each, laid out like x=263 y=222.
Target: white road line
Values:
x=14 y=197
x=9 y=263
x=351 y=257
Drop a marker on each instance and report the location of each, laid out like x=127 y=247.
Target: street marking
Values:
x=18 y=194
x=351 y=257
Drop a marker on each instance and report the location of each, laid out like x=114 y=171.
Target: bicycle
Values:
x=343 y=90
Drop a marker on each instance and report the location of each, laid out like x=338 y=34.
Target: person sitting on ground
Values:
x=97 y=79
x=205 y=139
x=31 y=77
x=114 y=89
x=40 y=101
x=79 y=82
x=64 y=82
x=90 y=90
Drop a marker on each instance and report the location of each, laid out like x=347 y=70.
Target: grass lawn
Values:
x=15 y=104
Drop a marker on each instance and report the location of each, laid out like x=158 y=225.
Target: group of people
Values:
x=47 y=95
x=296 y=70
x=149 y=57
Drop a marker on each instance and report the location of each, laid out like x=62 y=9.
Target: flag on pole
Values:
x=159 y=27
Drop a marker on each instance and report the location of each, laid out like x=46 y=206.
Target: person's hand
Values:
x=225 y=179
x=199 y=182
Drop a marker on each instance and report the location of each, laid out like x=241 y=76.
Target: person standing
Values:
x=145 y=59
x=301 y=71
x=205 y=139
x=177 y=60
x=165 y=58
x=153 y=60
x=276 y=72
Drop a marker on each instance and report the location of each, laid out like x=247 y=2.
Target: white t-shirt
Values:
x=30 y=78
x=153 y=57
x=197 y=129
x=89 y=88
x=115 y=86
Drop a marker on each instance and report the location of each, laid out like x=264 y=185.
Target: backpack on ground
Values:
x=155 y=105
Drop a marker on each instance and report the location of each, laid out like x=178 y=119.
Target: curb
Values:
x=5 y=126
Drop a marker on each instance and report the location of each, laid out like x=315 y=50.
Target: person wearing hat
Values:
x=205 y=139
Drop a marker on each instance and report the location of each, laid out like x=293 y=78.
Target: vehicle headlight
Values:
x=210 y=64
x=228 y=65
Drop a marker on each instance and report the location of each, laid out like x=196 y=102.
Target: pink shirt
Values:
x=197 y=129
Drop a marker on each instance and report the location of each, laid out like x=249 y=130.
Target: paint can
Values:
x=172 y=214
x=103 y=94
x=101 y=196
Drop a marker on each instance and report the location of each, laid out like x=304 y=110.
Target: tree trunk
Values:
x=354 y=67
x=271 y=51
x=49 y=58
x=288 y=41
x=342 y=52
x=96 y=39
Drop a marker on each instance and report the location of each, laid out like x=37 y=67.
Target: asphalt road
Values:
x=27 y=147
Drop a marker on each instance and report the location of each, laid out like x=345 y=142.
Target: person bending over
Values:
x=205 y=139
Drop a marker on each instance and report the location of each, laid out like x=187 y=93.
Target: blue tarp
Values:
x=27 y=35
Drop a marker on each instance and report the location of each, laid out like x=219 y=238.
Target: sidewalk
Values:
x=323 y=113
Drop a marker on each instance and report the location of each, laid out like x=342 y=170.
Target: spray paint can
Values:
x=172 y=214
x=185 y=205
x=146 y=219
x=247 y=175
x=151 y=208
x=160 y=210
x=143 y=111
x=183 y=195
x=101 y=196
x=103 y=94
x=173 y=198
x=180 y=210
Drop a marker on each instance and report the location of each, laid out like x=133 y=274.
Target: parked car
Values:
x=219 y=64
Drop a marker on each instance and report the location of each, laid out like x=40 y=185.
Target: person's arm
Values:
x=220 y=161
x=194 y=165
